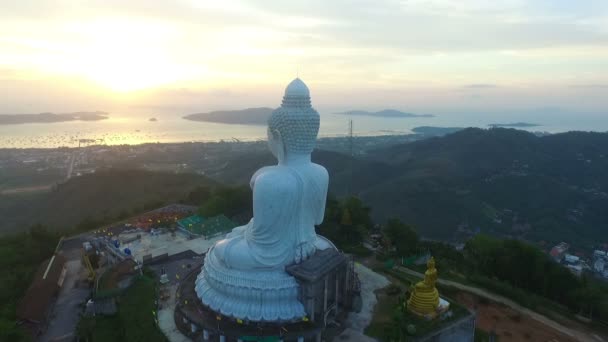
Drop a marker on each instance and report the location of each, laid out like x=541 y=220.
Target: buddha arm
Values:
x=324 y=181
x=274 y=209
x=241 y=229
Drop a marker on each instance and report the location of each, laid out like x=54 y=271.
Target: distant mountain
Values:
x=249 y=116
x=14 y=119
x=501 y=181
x=435 y=131
x=514 y=125
x=386 y=113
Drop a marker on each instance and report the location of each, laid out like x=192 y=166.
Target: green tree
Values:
x=346 y=222
x=229 y=201
x=403 y=237
x=198 y=195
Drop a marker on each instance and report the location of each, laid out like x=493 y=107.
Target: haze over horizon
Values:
x=435 y=57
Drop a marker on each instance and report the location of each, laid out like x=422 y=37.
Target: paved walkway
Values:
x=166 y=322
x=576 y=334
x=370 y=282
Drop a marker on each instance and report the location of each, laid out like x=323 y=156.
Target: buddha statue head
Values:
x=430 y=264
x=293 y=127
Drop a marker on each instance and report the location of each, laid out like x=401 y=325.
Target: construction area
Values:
x=98 y=270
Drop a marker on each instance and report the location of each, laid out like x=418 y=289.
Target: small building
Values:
x=571 y=259
x=35 y=306
x=577 y=269
x=327 y=283
x=599 y=265
x=559 y=250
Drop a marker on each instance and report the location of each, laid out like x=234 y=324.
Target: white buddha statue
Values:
x=243 y=275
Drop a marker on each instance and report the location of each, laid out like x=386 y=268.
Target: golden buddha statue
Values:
x=424 y=299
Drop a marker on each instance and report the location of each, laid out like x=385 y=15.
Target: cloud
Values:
x=589 y=86
x=481 y=86
x=8 y=74
x=245 y=48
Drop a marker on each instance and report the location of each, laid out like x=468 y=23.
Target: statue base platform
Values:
x=200 y=323
x=258 y=296
x=442 y=307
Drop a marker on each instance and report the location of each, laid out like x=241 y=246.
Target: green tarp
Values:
x=193 y=224
x=211 y=226
x=216 y=225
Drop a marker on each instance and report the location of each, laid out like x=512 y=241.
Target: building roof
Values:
x=193 y=224
x=559 y=249
x=216 y=224
x=317 y=266
x=38 y=297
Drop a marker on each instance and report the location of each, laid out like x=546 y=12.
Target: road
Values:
x=71 y=165
x=67 y=309
x=575 y=334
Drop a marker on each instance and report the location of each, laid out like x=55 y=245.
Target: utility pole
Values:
x=352 y=156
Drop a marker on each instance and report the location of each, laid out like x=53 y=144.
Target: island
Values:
x=514 y=124
x=386 y=113
x=249 y=116
x=15 y=119
x=152 y=119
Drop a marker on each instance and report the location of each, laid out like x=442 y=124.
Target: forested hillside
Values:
x=505 y=182
x=502 y=181
x=109 y=194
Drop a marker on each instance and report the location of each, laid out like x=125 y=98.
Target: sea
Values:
x=127 y=127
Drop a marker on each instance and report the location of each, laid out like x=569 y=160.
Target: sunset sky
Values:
x=414 y=55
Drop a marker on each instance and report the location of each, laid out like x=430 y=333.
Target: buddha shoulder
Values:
x=275 y=178
x=320 y=169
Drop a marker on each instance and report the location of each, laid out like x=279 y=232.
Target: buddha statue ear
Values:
x=277 y=146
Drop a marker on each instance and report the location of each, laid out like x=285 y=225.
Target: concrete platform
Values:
x=164 y=244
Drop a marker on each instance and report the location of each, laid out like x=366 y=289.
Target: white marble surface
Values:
x=244 y=274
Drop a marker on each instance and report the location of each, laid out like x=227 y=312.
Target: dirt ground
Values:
x=507 y=323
